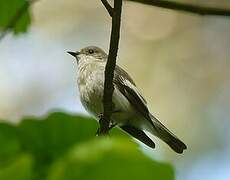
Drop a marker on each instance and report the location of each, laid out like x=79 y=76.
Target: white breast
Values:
x=91 y=83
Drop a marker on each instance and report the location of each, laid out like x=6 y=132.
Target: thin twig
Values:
x=110 y=66
x=108 y=7
x=12 y=22
x=195 y=9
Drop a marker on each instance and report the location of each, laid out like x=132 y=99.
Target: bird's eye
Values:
x=91 y=51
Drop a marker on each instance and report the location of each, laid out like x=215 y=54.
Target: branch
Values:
x=108 y=7
x=13 y=21
x=195 y=9
x=109 y=68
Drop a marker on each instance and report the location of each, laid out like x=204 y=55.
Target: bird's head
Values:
x=90 y=53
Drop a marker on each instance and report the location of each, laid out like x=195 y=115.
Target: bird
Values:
x=130 y=111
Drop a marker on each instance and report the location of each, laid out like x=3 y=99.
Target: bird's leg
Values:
x=113 y=124
x=100 y=116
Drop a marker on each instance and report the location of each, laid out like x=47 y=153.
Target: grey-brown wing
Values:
x=123 y=74
x=127 y=87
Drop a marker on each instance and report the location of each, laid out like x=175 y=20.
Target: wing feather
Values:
x=127 y=87
x=138 y=134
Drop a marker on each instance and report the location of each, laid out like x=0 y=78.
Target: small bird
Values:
x=130 y=111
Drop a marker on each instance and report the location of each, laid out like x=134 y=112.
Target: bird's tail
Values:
x=168 y=137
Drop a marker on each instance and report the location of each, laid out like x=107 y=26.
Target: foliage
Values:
x=8 y=10
x=64 y=147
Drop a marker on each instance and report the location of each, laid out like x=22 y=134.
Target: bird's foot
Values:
x=100 y=116
x=112 y=126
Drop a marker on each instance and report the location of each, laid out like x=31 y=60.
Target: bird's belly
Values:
x=91 y=99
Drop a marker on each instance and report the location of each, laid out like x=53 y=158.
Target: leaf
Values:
x=8 y=10
x=109 y=158
x=9 y=141
x=49 y=138
x=63 y=146
x=19 y=169
x=53 y=135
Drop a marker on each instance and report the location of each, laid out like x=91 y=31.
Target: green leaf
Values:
x=19 y=169
x=8 y=10
x=49 y=138
x=63 y=146
x=109 y=158
x=9 y=142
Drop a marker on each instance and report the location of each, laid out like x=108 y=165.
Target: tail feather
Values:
x=168 y=137
x=176 y=144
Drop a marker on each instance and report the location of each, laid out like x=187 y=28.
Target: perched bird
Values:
x=130 y=111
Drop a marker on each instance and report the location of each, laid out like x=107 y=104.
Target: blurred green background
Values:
x=179 y=61
x=64 y=147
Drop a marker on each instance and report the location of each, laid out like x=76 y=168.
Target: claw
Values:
x=112 y=126
x=100 y=116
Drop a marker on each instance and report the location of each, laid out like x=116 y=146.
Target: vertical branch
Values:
x=110 y=66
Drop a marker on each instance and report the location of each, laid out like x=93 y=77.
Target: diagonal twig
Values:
x=185 y=7
x=108 y=7
x=110 y=66
x=195 y=9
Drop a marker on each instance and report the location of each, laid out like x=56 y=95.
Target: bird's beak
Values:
x=74 y=54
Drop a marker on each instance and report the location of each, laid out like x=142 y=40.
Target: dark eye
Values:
x=91 y=51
